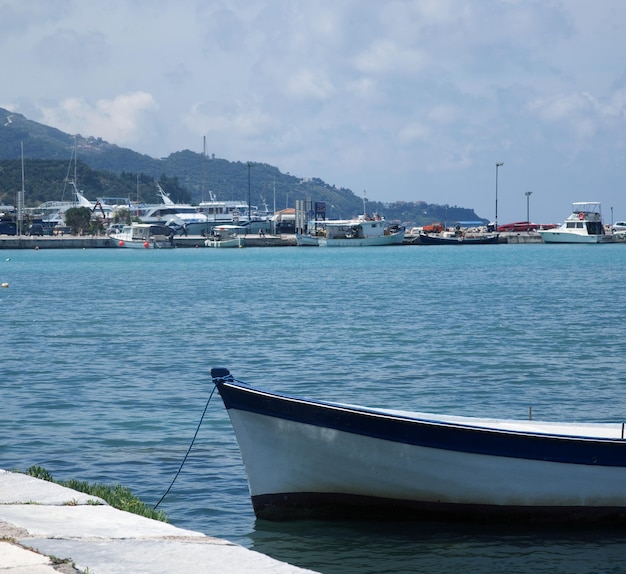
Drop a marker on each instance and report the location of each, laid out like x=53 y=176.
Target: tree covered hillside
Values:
x=107 y=170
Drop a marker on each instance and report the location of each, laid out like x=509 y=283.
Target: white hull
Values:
x=236 y=242
x=318 y=459
x=140 y=244
x=584 y=225
x=556 y=236
x=392 y=239
x=226 y=236
x=142 y=236
x=304 y=240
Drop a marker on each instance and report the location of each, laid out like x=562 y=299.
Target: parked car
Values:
x=36 y=229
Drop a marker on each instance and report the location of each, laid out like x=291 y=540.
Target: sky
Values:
x=403 y=100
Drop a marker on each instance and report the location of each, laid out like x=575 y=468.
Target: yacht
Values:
x=584 y=225
x=235 y=213
x=52 y=212
x=183 y=218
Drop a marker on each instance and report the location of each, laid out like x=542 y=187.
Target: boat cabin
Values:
x=355 y=228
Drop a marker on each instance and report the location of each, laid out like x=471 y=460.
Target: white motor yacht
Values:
x=584 y=225
x=184 y=218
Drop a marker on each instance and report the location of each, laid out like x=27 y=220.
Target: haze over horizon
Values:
x=409 y=100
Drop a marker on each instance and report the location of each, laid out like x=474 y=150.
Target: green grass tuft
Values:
x=116 y=496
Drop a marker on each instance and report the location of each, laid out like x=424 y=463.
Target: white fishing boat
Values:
x=583 y=225
x=320 y=459
x=144 y=236
x=226 y=236
x=311 y=236
x=363 y=231
x=307 y=240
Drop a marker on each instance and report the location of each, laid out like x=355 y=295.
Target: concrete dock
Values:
x=92 y=242
x=46 y=528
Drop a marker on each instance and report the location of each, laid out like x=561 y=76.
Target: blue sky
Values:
x=406 y=100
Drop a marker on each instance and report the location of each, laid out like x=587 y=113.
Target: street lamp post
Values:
x=528 y=194
x=498 y=164
x=249 y=218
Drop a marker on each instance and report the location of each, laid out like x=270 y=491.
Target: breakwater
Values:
x=91 y=242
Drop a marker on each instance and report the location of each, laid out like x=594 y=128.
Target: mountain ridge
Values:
x=186 y=175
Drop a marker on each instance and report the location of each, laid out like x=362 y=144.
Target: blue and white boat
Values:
x=318 y=459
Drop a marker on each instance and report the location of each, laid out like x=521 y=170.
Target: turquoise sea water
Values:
x=106 y=355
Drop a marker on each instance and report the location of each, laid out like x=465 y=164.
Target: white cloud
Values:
x=397 y=95
x=445 y=114
x=237 y=121
x=581 y=113
x=412 y=132
x=386 y=57
x=306 y=83
x=119 y=120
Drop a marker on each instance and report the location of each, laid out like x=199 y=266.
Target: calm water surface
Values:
x=106 y=357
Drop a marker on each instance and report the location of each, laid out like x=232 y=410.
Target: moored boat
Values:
x=235 y=213
x=363 y=231
x=318 y=459
x=225 y=236
x=184 y=219
x=307 y=240
x=583 y=225
x=449 y=238
x=144 y=236
x=311 y=236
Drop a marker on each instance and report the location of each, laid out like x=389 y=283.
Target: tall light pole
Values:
x=528 y=194
x=498 y=164
x=249 y=218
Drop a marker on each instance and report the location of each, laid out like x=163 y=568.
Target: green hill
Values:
x=107 y=170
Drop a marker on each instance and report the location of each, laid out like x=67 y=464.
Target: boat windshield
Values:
x=595 y=228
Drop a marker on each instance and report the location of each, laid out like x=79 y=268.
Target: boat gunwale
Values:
x=452 y=435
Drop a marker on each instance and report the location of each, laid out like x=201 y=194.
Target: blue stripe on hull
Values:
x=431 y=434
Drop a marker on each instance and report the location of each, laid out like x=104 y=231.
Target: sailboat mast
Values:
x=75 y=161
x=20 y=198
x=203 y=165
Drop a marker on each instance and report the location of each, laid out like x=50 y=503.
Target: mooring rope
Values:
x=188 y=450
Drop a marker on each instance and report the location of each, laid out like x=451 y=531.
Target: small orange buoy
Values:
x=146 y=245
x=121 y=243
